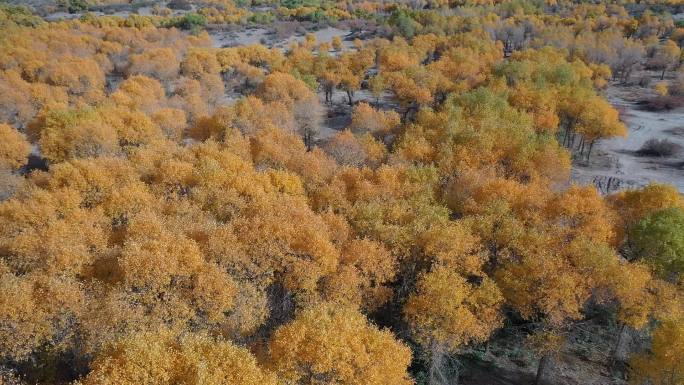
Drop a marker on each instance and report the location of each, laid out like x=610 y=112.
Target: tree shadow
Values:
x=483 y=373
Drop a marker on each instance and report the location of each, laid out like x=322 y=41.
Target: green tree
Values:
x=658 y=239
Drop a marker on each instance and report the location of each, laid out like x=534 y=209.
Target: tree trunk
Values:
x=591 y=146
x=405 y=114
x=350 y=95
x=619 y=353
x=544 y=365
x=628 y=73
x=662 y=74
x=571 y=144
x=441 y=371
x=308 y=140
x=566 y=137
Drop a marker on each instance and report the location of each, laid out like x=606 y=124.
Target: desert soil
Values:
x=264 y=36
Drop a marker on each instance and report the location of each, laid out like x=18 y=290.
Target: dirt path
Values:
x=615 y=163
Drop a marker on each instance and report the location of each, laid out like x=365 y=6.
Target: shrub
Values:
x=193 y=22
x=19 y=15
x=660 y=103
x=659 y=147
x=285 y=29
x=294 y=4
x=660 y=88
x=74 y=6
x=262 y=18
x=644 y=81
x=183 y=5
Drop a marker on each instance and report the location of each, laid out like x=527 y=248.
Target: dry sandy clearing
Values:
x=615 y=163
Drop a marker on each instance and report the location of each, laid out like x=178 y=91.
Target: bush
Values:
x=660 y=88
x=660 y=103
x=75 y=6
x=182 y=5
x=404 y=23
x=190 y=22
x=659 y=147
x=193 y=21
x=19 y=15
x=317 y=16
x=262 y=18
x=285 y=29
x=294 y=4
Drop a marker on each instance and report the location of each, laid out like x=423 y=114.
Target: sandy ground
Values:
x=615 y=161
x=263 y=36
x=237 y=38
x=144 y=11
x=62 y=16
x=322 y=35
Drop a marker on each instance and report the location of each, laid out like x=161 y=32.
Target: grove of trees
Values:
x=170 y=212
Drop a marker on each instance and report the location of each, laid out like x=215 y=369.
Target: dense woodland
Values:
x=171 y=214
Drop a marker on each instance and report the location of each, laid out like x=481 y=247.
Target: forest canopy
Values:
x=174 y=211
